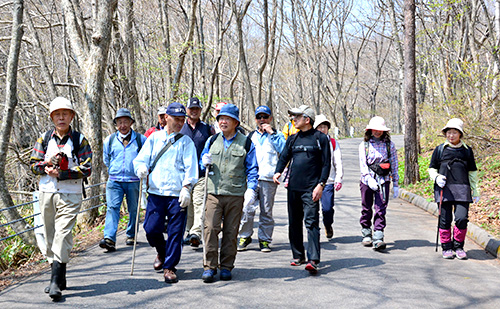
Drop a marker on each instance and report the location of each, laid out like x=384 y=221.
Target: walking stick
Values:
x=136 y=227
x=439 y=218
x=203 y=213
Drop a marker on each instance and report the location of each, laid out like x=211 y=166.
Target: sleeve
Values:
x=285 y=131
x=278 y=141
x=394 y=165
x=337 y=161
x=84 y=167
x=106 y=151
x=144 y=156
x=190 y=158
x=473 y=174
x=284 y=158
x=37 y=163
x=434 y=165
x=326 y=157
x=363 y=166
x=252 y=168
x=205 y=150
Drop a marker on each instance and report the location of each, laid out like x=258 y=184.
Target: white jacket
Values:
x=267 y=149
x=336 y=169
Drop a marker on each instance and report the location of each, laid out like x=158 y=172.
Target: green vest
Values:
x=228 y=174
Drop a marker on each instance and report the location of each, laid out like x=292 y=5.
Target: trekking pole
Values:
x=203 y=213
x=136 y=227
x=439 y=218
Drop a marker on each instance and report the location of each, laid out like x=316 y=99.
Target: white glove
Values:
x=373 y=184
x=185 y=197
x=142 y=171
x=441 y=181
x=396 y=192
x=206 y=159
x=475 y=199
x=250 y=197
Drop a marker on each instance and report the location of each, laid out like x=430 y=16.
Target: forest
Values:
x=344 y=58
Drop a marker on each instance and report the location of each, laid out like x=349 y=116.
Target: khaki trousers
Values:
x=195 y=209
x=223 y=213
x=59 y=211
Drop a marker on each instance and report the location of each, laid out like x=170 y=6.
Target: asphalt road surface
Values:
x=408 y=274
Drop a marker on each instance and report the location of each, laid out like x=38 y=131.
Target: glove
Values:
x=396 y=192
x=475 y=199
x=372 y=183
x=55 y=159
x=250 y=197
x=338 y=186
x=207 y=159
x=142 y=171
x=185 y=197
x=441 y=181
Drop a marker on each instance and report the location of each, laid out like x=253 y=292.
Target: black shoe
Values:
x=297 y=262
x=243 y=243
x=329 y=231
x=129 y=241
x=107 y=244
x=194 y=241
x=56 y=280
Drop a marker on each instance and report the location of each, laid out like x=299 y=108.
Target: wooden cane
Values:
x=136 y=227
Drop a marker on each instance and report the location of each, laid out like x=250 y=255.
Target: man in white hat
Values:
x=63 y=158
x=119 y=150
x=162 y=121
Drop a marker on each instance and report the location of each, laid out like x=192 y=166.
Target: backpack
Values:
x=334 y=143
x=138 y=140
x=382 y=168
x=248 y=143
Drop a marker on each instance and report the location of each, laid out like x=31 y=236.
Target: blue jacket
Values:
x=119 y=158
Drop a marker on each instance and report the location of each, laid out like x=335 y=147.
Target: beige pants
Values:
x=195 y=209
x=59 y=211
x=219 y=208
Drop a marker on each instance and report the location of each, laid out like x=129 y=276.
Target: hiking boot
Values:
x=461 y=255
x=225 y=274
x=297 y=262
x=170 y=276
x=264 y=246
x=129 y=241
x=329 y=231
x=378 y=241
x=195 y=241
x=367 y=237
x=209 y=275
x=244 y=242
x=107 y=244
x=448 y=254
x=312 y=267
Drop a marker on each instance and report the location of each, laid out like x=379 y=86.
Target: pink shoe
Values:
x=448 y=254
x=461 y=255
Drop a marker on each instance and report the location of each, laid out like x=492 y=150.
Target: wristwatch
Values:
x=322 y=184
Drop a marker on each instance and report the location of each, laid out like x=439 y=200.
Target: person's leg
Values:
x=198 y=195
x=232 y=206
x=327 y=206
x=67 y=208
x=266 y=201
x=366 y=206
x=212 y=228
x=311 y=221
x=248 y=216
x=114 y=198
x=132 y=194
x=48 y=211
x=380 y=206
x=175 y=229
x=445 y=225
x=295 y=217
x=154 y=223
x=460 y=229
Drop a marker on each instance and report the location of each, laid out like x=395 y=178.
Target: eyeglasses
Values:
x=262 y=116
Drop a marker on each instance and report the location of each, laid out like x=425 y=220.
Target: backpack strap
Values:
x=388 y=147
x=248 y=143
x=212 y=140
x=334 y=143
x=138 y=140
x=46 y=139
x=110 y=142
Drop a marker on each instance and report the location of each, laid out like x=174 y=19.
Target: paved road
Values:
x=409 y=274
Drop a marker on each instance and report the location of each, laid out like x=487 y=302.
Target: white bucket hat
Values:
x=377 y=123
x=60 y=103
x=321 y=119
x=454 y=123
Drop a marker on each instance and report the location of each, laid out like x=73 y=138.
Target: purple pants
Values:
x=368 y=196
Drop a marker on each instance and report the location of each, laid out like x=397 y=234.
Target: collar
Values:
x=460 y=144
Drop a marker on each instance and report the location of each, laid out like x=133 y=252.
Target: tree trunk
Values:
x=263 y=65
x=7 y=120
x=411 y=148
x=166 y=43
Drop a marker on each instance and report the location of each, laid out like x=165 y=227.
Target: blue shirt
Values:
x=251 y=166
x=118 y=158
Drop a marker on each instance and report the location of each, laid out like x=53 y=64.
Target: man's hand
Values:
x=372 y=183
x=276 y=178
x=250 y=197
x=441 y=181
x=52 y=171
x=267 y=127
x=185 y=197
x=206 y=159
x=317 y=193
x=142 y=171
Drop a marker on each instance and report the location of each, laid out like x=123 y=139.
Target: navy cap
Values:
x=263 y=110
x=193 y=102
x=230 y=110
x=123 y=112
x=176 y=109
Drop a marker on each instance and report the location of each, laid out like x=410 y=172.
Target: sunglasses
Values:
x=262 y=116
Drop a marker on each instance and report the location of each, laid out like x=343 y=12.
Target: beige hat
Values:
x=322 y=119
x=60 y=103
x=303 y=110
x=454 y=123
x=377 y=123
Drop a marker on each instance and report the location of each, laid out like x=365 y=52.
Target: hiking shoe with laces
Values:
x=209 y=275
x=312 y=267
x=461 y=255
x=244 y=242
x=107 y=244
x=448 y=254
x=264 y=246
x=297 y=262
x=129 y=241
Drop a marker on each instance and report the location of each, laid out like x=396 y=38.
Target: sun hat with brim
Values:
x=230 y=110
x=263 y=110
x=123 y=112
x=303 y=110
x=454 y=123
x=60 y=103
x=377 y=123
x=321 y=119
x=176 y=109
x=219 y=105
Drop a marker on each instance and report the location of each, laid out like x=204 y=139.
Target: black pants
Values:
x=301 y=207
x=459 y=209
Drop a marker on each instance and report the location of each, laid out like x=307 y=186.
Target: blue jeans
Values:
x=114 y=196
x=327 y=204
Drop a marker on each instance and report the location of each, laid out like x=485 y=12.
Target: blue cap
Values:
x=123 y=112
x=193 y=102
x=176 y=109
x=263 y=110
x=230 y=110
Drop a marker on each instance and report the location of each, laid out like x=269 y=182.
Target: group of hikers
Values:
x=204 y=179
